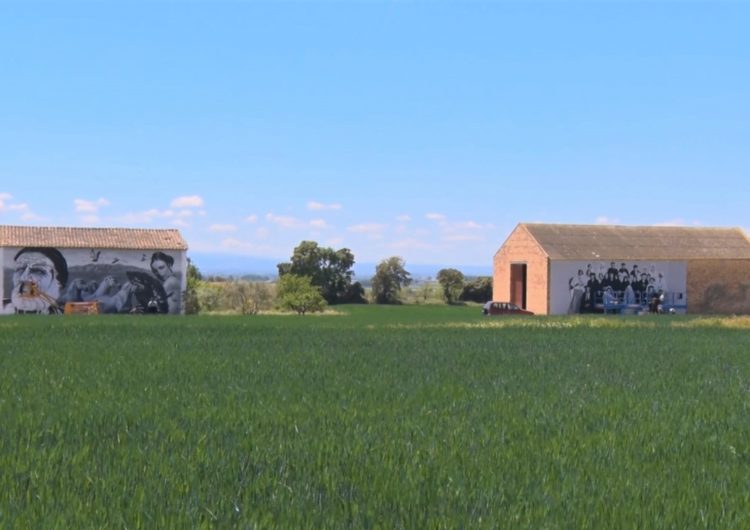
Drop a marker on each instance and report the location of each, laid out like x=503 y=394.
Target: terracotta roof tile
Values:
x=109 y=238
x=583 y=242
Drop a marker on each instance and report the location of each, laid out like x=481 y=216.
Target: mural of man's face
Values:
x=34 y=275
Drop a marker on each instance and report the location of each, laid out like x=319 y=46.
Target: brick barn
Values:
x=563 y=269
x=124 y=270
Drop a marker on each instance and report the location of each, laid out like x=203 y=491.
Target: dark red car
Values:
x=503 y=308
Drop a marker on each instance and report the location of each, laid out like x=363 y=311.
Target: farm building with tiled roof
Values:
x=121 y=269
x=559 y=268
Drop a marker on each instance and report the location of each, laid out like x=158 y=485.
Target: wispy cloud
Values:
x=89 y=207
x=144 y=217
x=21 y=208
x=222 y=228
x=367 y=228
x=251 y=218
x=149 y=216
x=314 y=205
x=437 y=217
x=284 y=221
x=243 y=247
x=604 y=220
x=187 y=201
x=404 y=218
x=318 y=224
x=464 y=231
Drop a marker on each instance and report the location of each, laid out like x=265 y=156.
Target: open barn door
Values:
x=518 y=284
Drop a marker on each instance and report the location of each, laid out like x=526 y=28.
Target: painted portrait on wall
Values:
x=38 y=278
x=592 y=287
x=42 y=280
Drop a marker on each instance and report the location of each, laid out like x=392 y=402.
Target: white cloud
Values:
x=405 y=218
x=251 y=218
x=313 y=205
x=222 y=228
x=437 y=217
x=148 y=216
x=145 y=217
x=318 y=224
x=89 y=207
x=470 y=225
x=464 y=231
x=283 y=221
x=20 y=207
x=262 y=233
x=187 y=201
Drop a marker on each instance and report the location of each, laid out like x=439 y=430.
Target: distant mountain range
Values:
x=233 y=265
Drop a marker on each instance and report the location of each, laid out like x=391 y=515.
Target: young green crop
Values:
x=376 y=417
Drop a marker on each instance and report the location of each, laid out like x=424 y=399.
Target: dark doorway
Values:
x=518 y=284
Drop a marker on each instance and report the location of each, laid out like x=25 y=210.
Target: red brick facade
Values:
x=521 y=247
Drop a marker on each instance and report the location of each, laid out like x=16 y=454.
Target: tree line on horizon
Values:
x=316 y=277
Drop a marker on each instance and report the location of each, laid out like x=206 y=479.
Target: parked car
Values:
x=503 y=308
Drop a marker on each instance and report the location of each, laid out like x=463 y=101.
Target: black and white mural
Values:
x=44 y=279
x=601 y=286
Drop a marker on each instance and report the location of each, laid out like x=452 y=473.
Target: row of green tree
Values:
x=315 y=277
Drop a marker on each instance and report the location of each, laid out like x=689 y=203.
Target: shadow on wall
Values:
x=724 y=298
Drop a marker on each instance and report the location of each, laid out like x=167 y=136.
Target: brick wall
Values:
x=520 y=247
x=719 y=286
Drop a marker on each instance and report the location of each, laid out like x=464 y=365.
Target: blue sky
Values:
x=426 y=130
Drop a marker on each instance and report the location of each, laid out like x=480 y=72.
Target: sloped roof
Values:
x=109 y=238
x=584 y=242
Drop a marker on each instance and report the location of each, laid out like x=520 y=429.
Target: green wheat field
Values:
x=412 y=417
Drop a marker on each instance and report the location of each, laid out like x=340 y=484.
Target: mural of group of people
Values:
x=42 y=280
x=594 y=288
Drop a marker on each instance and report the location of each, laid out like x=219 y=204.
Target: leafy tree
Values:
x=478 y=290
x=284 y=268
x=329 y=269
x=209 y=296
x=355 y=294
x=249 y=298
x=298 y=294
x=194 y=277
x=452 y=282
x=390 y=276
